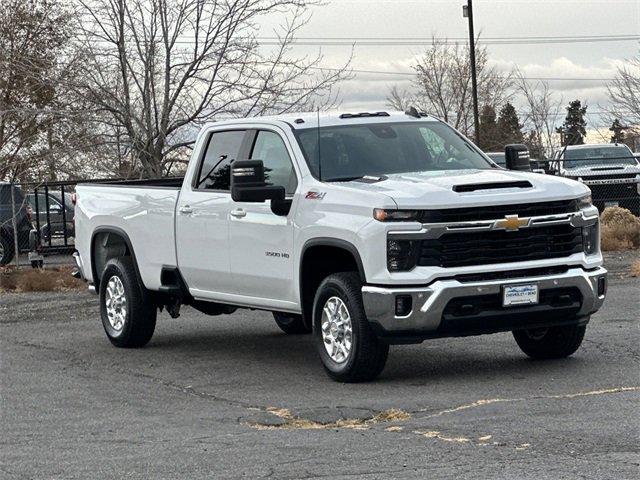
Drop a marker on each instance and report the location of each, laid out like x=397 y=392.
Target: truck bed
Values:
x=144 y=210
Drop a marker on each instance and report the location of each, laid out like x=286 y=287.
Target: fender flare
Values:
x=121 y=233
x=332 y=242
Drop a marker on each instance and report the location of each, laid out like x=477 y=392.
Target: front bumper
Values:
x=430 y=317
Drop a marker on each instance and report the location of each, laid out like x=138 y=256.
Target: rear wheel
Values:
x=127 y=311
x=553 y=342
x=6 y=249
x=348 y=348
x=290 y=323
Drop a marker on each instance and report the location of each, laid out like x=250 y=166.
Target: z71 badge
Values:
x=312 y=195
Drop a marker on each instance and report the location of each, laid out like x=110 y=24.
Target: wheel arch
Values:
x=107 y=243
x=319 y=258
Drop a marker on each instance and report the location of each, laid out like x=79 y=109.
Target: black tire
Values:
x=6 y=249
x=290 y=323
x=368 y=354
x=553 y=342
x=140 y=313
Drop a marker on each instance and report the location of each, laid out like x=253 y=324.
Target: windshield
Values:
x=354 y=151
x=590 y=156
x=499 y=158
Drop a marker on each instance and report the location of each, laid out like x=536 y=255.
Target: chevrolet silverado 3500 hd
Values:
x=365 y=229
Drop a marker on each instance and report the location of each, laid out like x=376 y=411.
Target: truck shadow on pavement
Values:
x=273 y=354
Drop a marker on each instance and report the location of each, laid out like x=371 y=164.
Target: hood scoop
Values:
x=472 y=187
x=599 y=169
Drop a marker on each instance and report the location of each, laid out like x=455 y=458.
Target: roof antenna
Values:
x=319 y=156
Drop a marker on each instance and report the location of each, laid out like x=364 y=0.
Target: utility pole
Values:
x=467 y=11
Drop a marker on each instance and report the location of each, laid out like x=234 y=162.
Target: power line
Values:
x=420 y=41
x=387 y=72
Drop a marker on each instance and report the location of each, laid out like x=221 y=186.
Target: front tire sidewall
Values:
x=117 y=337
x=332 y=289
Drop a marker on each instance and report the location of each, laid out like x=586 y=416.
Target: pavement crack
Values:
x=489 y=401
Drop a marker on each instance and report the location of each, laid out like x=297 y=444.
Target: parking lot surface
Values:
x=233 y=397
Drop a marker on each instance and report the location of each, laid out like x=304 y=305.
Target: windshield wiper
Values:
x=343 y=179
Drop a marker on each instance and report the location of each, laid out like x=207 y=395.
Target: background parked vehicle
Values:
x=23 y=222
x=54 y=216
x=610 y=170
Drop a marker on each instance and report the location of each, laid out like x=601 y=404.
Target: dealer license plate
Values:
x=514 y=295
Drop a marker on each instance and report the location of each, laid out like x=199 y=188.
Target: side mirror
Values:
x=248 y=183
x=517 y=157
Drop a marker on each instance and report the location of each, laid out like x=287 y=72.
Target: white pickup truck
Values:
x=366 y=229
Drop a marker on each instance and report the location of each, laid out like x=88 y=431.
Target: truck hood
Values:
x=466 y=188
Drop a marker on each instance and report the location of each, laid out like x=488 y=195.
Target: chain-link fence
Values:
x=36 y=223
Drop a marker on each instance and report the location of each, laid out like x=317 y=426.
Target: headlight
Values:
x=402 y=255
x=585 y=202
x=590 y=236
x=383 y=215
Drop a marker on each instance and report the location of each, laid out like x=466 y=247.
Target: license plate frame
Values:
x=611 y=204
x=520 y=295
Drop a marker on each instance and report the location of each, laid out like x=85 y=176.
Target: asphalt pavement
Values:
x=233 y=397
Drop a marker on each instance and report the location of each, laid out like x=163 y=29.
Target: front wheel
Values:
x=6 y=249
x=127 y=311
x=348 y=348
x=549 y=343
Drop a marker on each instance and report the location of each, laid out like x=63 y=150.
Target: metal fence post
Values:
x=14 y=222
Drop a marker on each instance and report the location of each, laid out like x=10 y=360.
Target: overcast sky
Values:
x=493 y=18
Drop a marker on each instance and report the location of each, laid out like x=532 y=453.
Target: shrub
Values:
x=620 y=229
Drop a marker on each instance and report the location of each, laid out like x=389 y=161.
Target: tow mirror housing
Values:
x=517 y=157
x=248 y=183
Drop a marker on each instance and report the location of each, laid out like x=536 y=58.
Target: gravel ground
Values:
x=233 y=397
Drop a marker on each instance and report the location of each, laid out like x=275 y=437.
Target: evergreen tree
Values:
x=618 y=132
x=573 y=129
x=489 y=138
x=509 y=127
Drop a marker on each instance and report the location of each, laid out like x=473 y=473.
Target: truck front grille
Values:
x=614 y=191
x=461 y=249
x=491 y=212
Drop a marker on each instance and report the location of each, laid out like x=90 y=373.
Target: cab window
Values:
x=221 y=151
x=278 y=169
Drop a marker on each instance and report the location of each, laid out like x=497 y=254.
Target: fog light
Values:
x=602 y=286
x=403 y=305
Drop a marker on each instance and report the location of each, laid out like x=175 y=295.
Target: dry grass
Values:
x=620 y=229
x=635 y=269
x=296 y=423
x=56 y=279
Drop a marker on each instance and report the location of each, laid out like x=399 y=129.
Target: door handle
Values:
x=238 y=213
x=186 y=210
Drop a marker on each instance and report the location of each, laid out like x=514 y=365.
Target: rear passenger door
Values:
x=202 y=216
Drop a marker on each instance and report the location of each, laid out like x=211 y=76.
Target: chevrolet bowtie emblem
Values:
x=511 y=222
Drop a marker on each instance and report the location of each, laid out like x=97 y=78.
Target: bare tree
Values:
x=400 y=99
x=38 y=125
x=158 y=68
x=624 y=94
x=543 y=111
x=443 y=84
